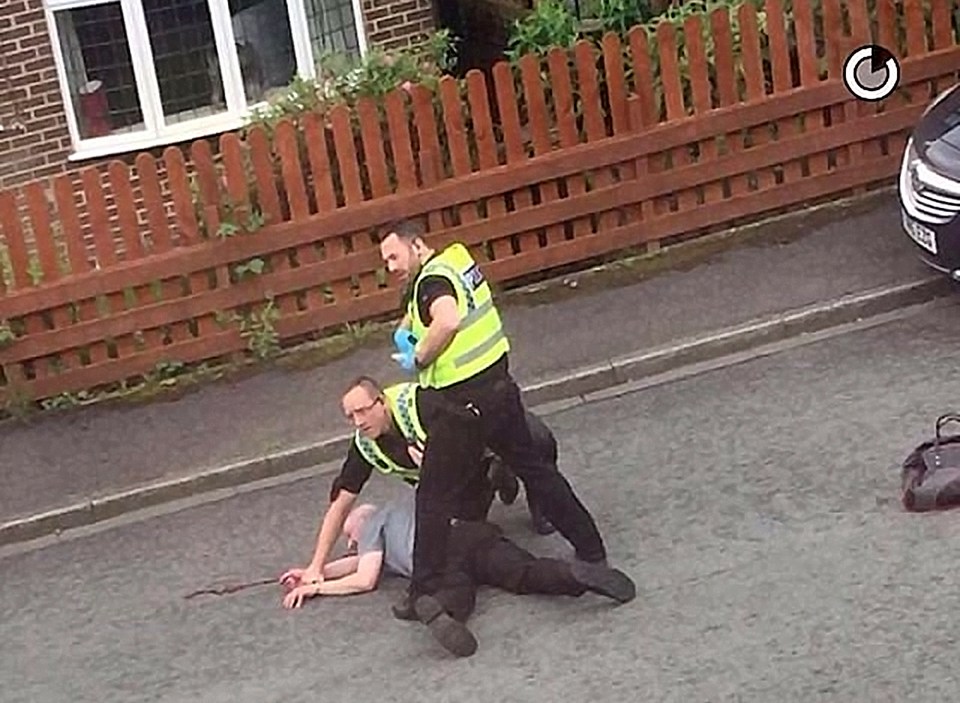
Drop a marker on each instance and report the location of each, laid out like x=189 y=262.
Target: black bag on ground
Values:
x=930 y=476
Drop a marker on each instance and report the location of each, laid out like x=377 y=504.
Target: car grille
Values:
x=937 y=206
x=929 y=202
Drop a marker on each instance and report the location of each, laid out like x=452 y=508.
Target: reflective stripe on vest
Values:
x=374 y=456
x=480 y=340
x=402 y=401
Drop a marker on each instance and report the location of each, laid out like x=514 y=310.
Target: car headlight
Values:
x=910 y=158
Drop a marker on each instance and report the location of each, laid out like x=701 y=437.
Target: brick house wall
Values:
x=34 y=140
x=396 y=23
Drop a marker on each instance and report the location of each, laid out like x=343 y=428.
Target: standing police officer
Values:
x=461 y=355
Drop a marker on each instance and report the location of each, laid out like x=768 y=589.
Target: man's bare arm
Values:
x=338 y=568
x=331 y=527
x=364 y=579
x=446 y=321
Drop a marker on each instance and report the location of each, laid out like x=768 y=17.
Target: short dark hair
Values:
x=407 y=230
x=366 y=383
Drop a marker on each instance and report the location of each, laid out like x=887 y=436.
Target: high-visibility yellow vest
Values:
x=480 y=340
x=402 y=402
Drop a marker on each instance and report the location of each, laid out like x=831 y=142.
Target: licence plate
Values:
x=924 y=236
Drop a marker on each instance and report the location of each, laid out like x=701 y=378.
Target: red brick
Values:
x=420 y=15
x=381 y=38
x=31 y=103
x=22 y=81
x=54 y=133
x=402 y=7
x=48 y=110
x=9 y=74
x=18 y=58
x=14 y=95
x=376 y=14
x=389 y=22
x=28 y=17
x=51 y=169
x=40 y=64
x=45 y=88
x=45 y=123
x=26 y=140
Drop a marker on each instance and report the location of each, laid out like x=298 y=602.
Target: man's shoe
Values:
x=455 y=637
x=608 y=582
x=404 y=609
x=504 y=481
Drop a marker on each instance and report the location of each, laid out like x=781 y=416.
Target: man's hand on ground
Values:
x=296 y=597
x=293 y=578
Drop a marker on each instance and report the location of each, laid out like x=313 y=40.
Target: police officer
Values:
x=461 y=358
x=390 y=437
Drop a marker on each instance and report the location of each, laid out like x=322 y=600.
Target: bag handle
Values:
x=941 y=421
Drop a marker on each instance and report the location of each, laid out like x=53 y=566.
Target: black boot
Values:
x=455 y=637
x=503 y=480
x=404 y=608
x=608 y=582
x=539 y=522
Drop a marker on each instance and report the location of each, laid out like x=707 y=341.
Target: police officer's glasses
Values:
x=351 y=415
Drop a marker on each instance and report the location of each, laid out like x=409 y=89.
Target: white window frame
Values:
x=155 y=132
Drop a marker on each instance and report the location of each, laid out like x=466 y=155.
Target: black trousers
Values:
x=461 y=422
x=479 y=555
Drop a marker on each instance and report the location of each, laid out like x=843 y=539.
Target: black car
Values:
x=930 y=184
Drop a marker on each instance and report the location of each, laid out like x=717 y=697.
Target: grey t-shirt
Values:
x=390 y=530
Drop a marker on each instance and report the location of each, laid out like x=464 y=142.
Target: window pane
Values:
x=99 y=70
x=333 y=27
x=185 y=56
x=261 y=29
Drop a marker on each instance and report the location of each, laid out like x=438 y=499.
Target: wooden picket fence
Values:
x=576 y=156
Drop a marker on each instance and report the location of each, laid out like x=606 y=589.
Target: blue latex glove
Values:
x=406 y=345
x=404 y=340
x=407 y=360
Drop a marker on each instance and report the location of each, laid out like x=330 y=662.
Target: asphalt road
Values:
x=755 y=506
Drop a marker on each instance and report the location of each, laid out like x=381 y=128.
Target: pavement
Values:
x=754 y=505
x=809 y=270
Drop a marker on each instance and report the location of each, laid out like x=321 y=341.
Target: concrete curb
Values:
x=562 y=391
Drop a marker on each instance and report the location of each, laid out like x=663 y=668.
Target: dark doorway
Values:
x=483 y=27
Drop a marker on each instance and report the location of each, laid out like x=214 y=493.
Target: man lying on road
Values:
x=478 y=554
x=391 y=431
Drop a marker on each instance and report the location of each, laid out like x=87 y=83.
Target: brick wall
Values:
x=396 y=23
x=34 y=141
